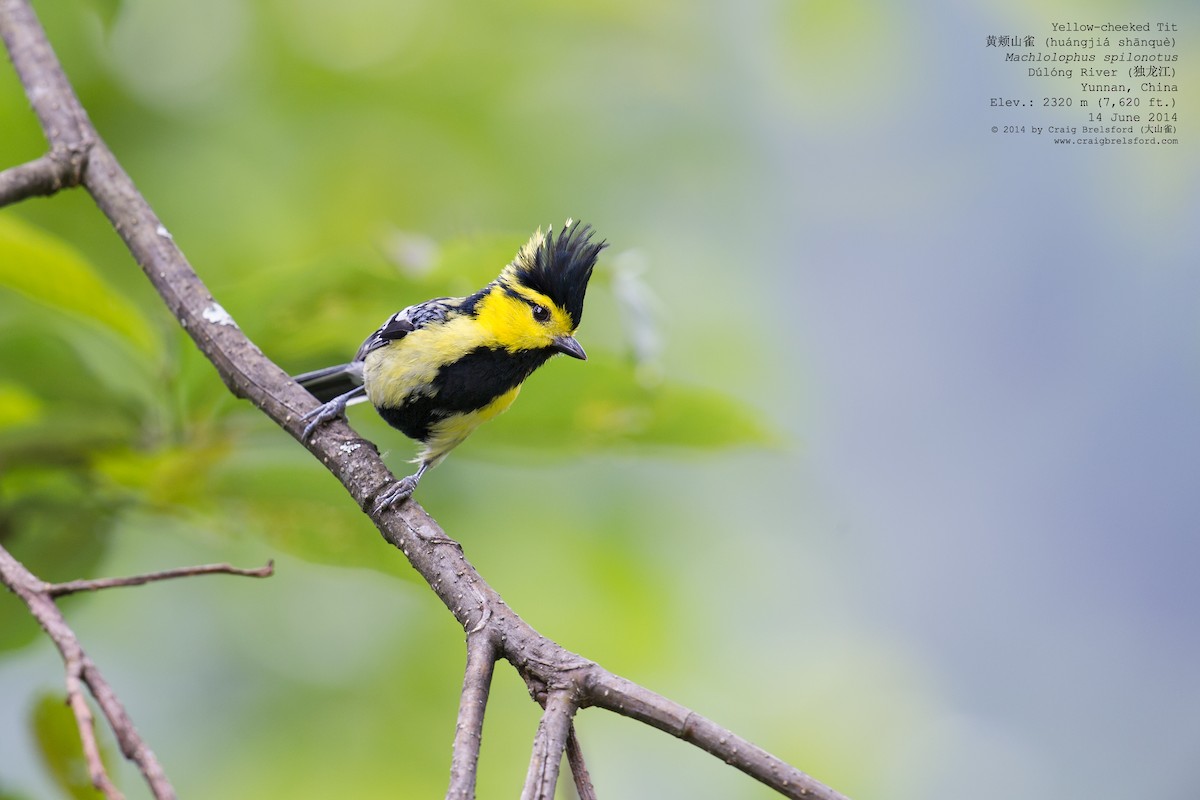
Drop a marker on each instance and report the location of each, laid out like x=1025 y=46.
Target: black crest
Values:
x=558 y=267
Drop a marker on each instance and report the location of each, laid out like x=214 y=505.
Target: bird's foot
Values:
x=334 y=409
x=400 y=491
x=395 y=494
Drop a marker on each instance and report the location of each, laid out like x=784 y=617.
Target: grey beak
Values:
x=568 y=345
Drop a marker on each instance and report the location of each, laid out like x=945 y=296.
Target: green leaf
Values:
x=46 y=269
x=56 y=521
x=568 y=407
x=57 y=737
x=173 y=475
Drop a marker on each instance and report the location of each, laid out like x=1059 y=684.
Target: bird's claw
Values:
x=395 y=494
x=326 y=412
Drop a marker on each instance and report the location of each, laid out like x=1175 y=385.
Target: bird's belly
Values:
x=449 y=432
x=439 y=396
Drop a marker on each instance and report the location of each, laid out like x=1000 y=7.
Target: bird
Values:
x=437 y=370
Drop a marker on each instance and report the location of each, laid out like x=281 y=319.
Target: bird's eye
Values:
x=541 y=313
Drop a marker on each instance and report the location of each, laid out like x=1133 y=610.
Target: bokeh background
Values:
x=887 y=456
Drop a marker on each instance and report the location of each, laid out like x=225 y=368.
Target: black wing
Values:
x=404 y=322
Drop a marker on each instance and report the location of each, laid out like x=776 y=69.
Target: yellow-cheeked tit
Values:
x=437 y=370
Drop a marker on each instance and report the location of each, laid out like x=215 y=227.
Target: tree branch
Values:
x=561 y=680
x=86 y=723
x=549 y=745
x=606 y=690
x=468 y=734
x=40 y=177
x=579 y=771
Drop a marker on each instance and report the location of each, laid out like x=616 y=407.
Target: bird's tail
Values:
x=326 y=384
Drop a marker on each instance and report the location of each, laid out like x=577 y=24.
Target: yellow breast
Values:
x=450 y=432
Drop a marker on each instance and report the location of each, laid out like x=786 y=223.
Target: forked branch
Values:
x=38 y=596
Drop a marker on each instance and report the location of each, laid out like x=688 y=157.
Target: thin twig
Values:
x=80 y=669
x=132 y=745
x=78 y=704
x=548 y=745
x=71 y=587
x=468 y=734
x=579 y=770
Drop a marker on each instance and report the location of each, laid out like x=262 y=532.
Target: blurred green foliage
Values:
x=323 y=166
x=176 y=445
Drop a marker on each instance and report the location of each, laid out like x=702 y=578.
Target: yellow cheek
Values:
x=508 y=324
x=512 y=324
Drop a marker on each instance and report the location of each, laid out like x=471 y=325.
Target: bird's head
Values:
x=537 y=302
